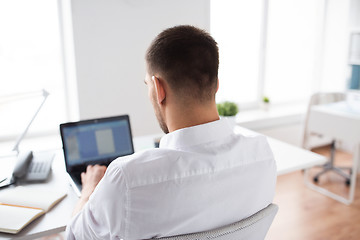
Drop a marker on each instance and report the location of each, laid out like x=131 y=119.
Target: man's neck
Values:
x=181 y=117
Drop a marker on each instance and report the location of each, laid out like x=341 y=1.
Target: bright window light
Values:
x=236 y=26
x=336 y=46
x=269 y=48
x=291 y=48
x=30 y=60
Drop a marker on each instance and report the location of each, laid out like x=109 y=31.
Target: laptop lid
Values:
x=95 y=141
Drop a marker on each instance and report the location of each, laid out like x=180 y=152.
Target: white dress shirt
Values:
x=200 y=178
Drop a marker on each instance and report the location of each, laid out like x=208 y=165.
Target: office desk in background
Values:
x=340 y=121
x=288 y=159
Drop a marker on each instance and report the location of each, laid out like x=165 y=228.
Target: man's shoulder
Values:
x=252 y=137
x=256 y=143
x=139 y=166
x=141 y=157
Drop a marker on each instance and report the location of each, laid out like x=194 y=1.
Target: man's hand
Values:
x=89 y=180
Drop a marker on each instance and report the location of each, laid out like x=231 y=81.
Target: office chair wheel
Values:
x=316 y=179
x=348 y=181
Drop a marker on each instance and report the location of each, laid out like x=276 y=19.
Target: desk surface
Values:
x=288 y=158
x=336 y=120
x=344 y=108
x=56 y=219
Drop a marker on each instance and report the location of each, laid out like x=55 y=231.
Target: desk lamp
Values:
x=15 y=150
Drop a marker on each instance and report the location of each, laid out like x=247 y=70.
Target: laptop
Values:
x=95 y=141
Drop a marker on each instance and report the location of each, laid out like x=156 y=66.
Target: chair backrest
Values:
x=325 y=98
x=318 y=99
x=254 y=227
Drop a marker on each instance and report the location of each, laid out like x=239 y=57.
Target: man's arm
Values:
x=89 y=180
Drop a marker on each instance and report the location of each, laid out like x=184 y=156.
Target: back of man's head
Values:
x=187 y=58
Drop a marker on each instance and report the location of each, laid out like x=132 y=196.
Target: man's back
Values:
x=200 y=178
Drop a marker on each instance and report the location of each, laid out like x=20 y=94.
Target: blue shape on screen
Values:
x=87 y=144
x=121 y=139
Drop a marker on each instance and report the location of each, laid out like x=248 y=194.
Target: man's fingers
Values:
x=94 y=169
x=82 y=176
x=88 y=167
x=100 y=167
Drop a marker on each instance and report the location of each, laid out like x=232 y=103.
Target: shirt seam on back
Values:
x=127 y=203
x=202 y=172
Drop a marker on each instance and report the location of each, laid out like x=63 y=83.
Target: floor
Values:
x=306 y=214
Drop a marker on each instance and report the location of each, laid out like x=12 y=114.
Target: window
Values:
x=291 y=47
x=236 y=26
x=336 y=49
x=30 y=60
x=278 y=48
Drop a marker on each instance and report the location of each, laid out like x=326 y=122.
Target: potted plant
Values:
x=265 y=103
x=228 y=110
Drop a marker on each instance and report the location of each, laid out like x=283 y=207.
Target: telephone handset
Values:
x=22 y=165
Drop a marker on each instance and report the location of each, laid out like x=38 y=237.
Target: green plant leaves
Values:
x=227 y=108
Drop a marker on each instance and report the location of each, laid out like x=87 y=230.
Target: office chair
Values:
x=317 y=99
x=254 y=227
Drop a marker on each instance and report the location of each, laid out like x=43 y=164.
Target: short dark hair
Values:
x=188 y=58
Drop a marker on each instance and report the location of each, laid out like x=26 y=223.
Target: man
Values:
x=202 y=177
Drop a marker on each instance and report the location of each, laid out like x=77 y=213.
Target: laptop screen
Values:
x=96 y=141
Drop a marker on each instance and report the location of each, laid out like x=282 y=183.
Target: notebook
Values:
x=21 y=205
x=95 y=141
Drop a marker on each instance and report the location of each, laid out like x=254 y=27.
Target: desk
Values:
x=338 y=120
x=288 y=159
x=56 y=219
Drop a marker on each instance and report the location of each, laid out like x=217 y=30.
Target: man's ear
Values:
x=217 y=87
x=160 y=89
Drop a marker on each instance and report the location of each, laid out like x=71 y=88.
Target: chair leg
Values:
x=340 y=172
x=329 y=166
x=316 y=177
x=346 y=168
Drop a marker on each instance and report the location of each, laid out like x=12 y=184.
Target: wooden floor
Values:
x=306 y=214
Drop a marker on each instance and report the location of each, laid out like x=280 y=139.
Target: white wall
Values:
x=355 y=14
x=110 y=40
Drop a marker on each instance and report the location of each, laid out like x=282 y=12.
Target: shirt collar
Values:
x=198 y=134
